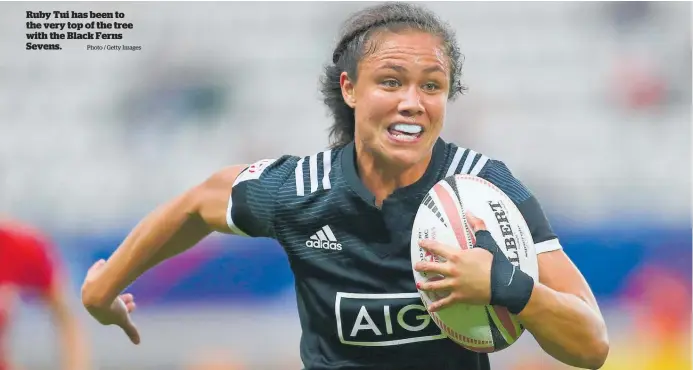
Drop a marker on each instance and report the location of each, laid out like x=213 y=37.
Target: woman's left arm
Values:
x=563 y=316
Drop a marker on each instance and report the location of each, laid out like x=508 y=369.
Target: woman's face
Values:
x=400 y=96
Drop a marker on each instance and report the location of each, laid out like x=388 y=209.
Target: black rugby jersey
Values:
x=357 y=300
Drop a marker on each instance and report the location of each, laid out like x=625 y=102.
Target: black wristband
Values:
x=510 y=286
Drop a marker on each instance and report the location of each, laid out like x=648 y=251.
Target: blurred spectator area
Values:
x=588 y=103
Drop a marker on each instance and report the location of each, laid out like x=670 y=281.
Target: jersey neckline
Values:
x=422 y=185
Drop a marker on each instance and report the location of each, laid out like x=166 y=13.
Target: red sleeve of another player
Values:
x=39 y=265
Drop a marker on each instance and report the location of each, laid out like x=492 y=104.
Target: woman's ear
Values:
x=347 y=90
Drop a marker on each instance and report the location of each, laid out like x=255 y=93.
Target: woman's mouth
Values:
x=405 y=132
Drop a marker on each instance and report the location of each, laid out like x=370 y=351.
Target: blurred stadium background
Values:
x=588 y=103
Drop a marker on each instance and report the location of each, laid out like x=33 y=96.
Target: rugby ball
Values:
x=441 y=217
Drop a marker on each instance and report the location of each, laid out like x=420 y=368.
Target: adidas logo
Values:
x=324 y=239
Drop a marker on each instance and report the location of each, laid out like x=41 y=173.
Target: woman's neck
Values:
x=381 y=177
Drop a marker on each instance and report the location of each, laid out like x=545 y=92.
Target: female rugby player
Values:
x=344 y=218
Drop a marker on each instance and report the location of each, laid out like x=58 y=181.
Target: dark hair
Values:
x=351 y=48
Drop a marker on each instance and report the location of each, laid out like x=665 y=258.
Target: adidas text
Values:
x=324 y=239
x=324 y=244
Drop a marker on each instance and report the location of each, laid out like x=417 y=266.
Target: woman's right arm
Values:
x=168 y=231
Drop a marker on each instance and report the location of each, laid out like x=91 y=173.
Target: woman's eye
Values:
x=431 y=86
x=390 y=83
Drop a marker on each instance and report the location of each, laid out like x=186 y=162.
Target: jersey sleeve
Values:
x=39 y=264
x=252 y=203
x=545 y=240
